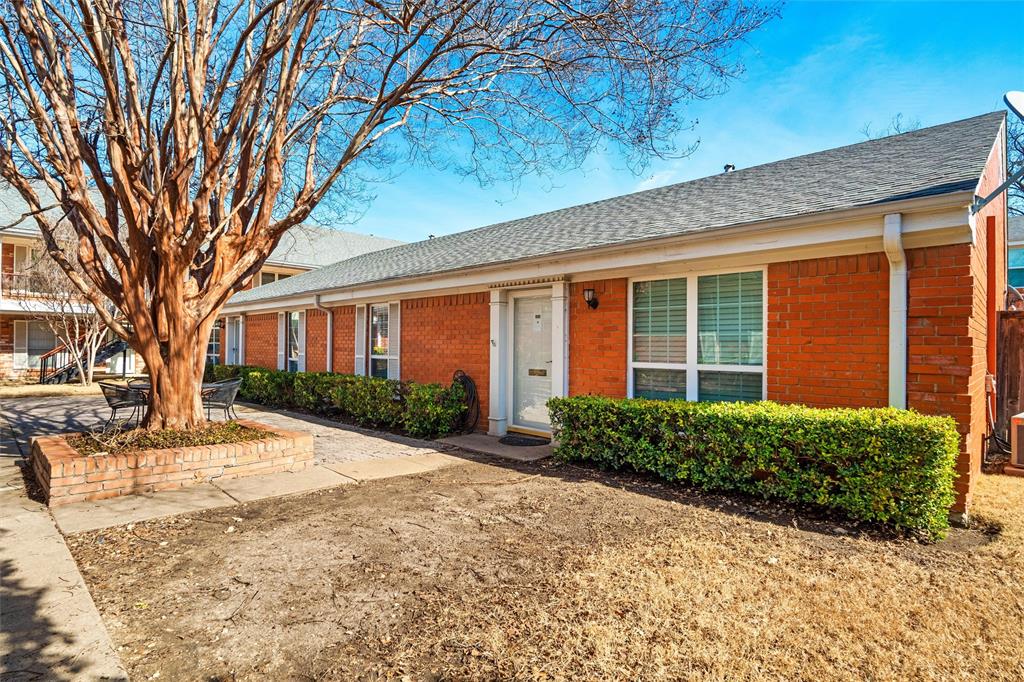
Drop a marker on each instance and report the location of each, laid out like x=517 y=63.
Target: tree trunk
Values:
x=79 y=365
x=91 y=360
x=175 y=400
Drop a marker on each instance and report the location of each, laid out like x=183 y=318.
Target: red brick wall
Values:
x=7 y=259
x=67 y=476
x=828 y=331
x=344 y=339
x=946 y=346
x=261 y=340
x=6 y=348
x=316 y=340
x=598 y=339
x=441 y=334
x=950 y=333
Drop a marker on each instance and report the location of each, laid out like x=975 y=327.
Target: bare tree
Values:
x=208 y=128
x=1015 y=158
x=55 y=300
x=897 y=126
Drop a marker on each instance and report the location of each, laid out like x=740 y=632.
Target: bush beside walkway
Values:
x=418 y=410
x=881 y=465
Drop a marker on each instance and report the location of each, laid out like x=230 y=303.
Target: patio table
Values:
x=144 y=387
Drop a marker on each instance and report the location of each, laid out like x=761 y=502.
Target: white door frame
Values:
x=559 y=371
x=233 y=355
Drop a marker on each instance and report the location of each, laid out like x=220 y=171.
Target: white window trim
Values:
x=278 y=276
x=283 y=329
x=394 y=354
x=369 y=342
x=691 y=366
x=216 y=332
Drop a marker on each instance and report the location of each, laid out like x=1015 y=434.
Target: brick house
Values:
x=25 y=337
x=852 y=277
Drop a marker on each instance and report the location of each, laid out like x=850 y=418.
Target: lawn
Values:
x=555 y=572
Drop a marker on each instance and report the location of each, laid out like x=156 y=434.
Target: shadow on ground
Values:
x=26 y=634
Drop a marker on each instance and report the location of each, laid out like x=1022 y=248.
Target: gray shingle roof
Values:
x=931 y=161
x=313 y=246
x=1016 y=228
x=304 y=246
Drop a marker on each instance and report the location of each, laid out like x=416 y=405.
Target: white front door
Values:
x=531 y=361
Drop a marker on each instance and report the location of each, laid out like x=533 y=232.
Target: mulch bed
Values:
x=125 y=441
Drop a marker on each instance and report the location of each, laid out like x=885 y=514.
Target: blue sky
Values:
x=814 y=77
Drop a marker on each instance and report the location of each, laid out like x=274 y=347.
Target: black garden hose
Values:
x=472 y=400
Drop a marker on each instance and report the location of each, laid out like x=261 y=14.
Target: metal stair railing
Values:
x=58 y=366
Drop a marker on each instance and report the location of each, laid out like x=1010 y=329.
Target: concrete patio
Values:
x=335 y=442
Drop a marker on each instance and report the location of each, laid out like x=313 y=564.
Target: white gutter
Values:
x=330 y=331
x=892 y=239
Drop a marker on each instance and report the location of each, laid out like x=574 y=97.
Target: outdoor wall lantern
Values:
x=590 y=297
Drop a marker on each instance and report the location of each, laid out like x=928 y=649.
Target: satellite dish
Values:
x=1015 y=100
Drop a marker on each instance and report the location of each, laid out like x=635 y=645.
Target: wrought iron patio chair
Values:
x=122 y=397
x=221 y=396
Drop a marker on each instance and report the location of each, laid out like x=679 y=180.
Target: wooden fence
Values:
x=1010 y=369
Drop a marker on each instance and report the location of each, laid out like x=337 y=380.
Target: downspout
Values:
x=329 y=352
x=892 y=240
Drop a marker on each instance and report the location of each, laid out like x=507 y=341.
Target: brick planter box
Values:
x=67 y=476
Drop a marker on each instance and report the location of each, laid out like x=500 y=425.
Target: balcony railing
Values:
x=23 y=285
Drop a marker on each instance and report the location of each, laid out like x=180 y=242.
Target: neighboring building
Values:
x=303 y=248
x=850 y=277
x=24 y=338
x=1015 y=252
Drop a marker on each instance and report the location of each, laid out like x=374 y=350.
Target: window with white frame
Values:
x=293 y=334
x=213 y=347
x=698 y=338
x=379 y=340
x=271 y=277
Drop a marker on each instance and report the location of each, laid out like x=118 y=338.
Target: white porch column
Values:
x=559 y=339
x=241 y=339
x=497 y=420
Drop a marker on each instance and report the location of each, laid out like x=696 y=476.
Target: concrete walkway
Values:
x=334 y=442
x=51 y=628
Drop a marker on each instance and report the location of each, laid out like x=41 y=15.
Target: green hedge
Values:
x=421 y=410
x=883 y=465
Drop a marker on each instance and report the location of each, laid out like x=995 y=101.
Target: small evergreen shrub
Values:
x=432 y=409
x=421 y=410
x=371 y=401
x=882 y=465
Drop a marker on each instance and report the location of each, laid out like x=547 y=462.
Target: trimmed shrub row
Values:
x=882 y=465
x=420 y=410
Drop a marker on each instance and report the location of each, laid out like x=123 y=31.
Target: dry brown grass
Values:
x=46 y=390
x=741 y=600
x=477 y=572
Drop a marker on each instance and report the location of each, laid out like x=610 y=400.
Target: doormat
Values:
x=525 y=441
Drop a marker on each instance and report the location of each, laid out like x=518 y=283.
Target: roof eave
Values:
x=958 y=199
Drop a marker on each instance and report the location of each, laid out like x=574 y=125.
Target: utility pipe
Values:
x=329 y=351
x=892 y=240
